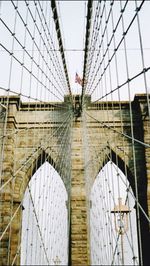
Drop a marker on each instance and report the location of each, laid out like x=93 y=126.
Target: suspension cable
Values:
x=88 y=25
x=55 y=15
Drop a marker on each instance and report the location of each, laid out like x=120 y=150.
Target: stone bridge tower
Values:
x=21 y=157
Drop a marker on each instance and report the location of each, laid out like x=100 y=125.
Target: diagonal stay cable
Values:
x=119 y=44
x=62 y=160
x=124 y=83
x=16 y=131
x=59 y=36
x=28 y=70
x=29 y=158
x=112 y=263
x=20 y=204
x=38 y=226
x=118 y=132
x=131 y=193
x=88 y=26
x=87 y=165
x=28 y=96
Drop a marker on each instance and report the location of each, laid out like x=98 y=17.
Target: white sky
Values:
x=73 y=28
x=72 y=16
x=72 y=21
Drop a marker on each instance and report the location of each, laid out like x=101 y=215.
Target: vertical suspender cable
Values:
x=57 y=26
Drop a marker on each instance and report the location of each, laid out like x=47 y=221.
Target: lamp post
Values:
x=121 y=221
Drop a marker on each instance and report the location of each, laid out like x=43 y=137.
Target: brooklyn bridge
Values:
x=74 y=132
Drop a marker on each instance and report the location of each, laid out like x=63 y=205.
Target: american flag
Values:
x=78 y=79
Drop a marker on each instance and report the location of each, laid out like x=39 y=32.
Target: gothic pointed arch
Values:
x=24 y=176
x=44 y=206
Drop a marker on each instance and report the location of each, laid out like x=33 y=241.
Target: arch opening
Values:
x=44 y=237
x=108 y=245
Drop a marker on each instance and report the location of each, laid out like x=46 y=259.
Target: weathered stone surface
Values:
x=27 y=143
x=79 y=245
